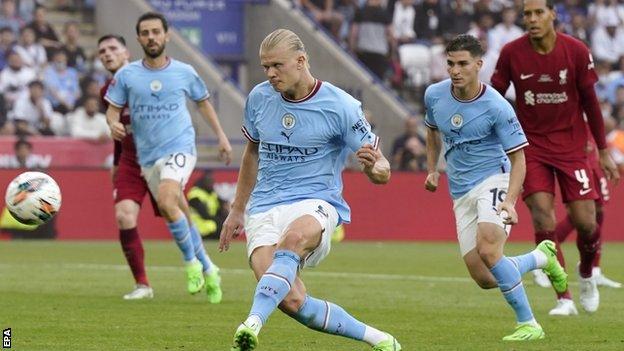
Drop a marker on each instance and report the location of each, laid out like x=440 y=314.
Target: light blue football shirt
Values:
x=161 y=123
x=478 y=134
x=300 y=142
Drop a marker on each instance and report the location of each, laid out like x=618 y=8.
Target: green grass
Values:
x=67 y=296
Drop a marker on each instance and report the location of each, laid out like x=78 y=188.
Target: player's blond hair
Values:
x=284 y=37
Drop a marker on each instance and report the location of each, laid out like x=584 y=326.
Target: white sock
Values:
x=254 y=323
x=373 y=336
x=191 y=262
x=532 y=322
x=540 y=258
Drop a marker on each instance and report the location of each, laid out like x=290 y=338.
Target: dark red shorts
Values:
x=574 y=174
x=130 y=185
x=601 y=184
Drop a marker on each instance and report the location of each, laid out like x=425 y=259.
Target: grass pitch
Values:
x=67 y=296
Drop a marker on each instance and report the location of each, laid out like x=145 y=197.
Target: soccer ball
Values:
x=33 y=198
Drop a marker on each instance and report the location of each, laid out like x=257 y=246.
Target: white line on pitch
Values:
x=310 y=273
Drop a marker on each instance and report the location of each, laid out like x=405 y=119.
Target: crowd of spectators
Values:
x=377 y=32
x=48 y=84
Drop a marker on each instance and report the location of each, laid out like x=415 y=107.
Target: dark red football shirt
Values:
x=125 y=148
x=549 y=92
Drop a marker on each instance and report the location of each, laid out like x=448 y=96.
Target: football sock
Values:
x=275 y=284
x=133 y=250
x=330 y=318
x=200 y=250
x=530 y=261
x=510 y=284
x=182 y=235
x=599 y=220
x=587 y=246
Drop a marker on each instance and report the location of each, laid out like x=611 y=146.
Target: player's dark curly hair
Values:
x=465 y=42
x=152 y=15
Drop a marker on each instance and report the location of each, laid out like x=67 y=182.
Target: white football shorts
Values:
x=177 y=166
x=478 y=206
x=267 y=228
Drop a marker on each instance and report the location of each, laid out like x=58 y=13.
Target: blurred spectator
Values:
x=23 y=157
x=506 y=31
x=96 y=71
x=427 y=25
x=608 y=41
x=603 y=70
x=600 y=11
x=483 y=26
x=324 y=13
x=14 y=79
x=371 y=37
x=208 y=211
x=489 y=61
x=618 y=104
x=408 y=150
x=403 y=21
x=62 y=83
x=578 y=28
x=347 y=9
x=32 y=53
x=6 y=126
x=26 y=9
x=87 y=122
x=565 y=12
x=613 y=82
x=76 y=57
x=459 y=18
x=492 y=6
x=46 y=35
x=615 y=140
x=7 y=40
x=9 y=17
x=33 y=114
x=90 y=88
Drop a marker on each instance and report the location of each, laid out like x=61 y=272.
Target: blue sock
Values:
x=329 y=318
x=182 y=235
x=275 y=284
x=200 y=251
x=510 y=284
x=524 y=263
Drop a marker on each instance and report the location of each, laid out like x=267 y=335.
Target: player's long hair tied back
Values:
x=284 y=37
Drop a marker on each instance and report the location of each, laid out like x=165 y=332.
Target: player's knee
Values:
x=292 y=241
x=168 y=206
x=489 y=255
x=543 y=220
x=585 y=227
x=292 y=303
x=125 y=219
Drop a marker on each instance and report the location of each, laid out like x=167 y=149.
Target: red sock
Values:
x=563 y=229
x=133 y=250
x=599 y=220
x=542 y=235
x=588 y=246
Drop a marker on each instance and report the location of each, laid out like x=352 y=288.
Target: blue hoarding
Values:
x=215 y=26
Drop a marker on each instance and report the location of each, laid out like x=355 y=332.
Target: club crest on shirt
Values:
x=563 y=76
x=457 y=120
x=288 y=121
x=155 y=85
